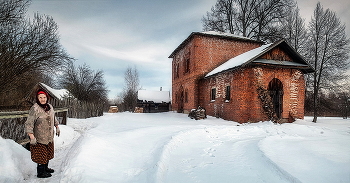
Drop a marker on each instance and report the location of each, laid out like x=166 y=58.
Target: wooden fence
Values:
x=80 y=109
x=12 y=123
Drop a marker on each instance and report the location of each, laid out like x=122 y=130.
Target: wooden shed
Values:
x=56 y=96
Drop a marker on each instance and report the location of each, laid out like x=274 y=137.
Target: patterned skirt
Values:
x=41 y=153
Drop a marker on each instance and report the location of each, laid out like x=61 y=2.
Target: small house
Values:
x=238 y=79
x=55 y=96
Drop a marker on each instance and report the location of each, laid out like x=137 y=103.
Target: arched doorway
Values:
x=276 y=93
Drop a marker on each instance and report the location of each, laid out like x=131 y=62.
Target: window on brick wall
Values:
x=177 y=70
x=213 y=94
x=187 y=65
x=186 y=96
x=187 y=62
x=228 y=93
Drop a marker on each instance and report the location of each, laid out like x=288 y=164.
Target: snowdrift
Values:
x=170 y=147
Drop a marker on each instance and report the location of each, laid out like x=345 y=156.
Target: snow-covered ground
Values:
x=170 y=147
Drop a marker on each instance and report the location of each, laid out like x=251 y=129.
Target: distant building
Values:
x=56 y=96
x=153 y=101
x=238 y=79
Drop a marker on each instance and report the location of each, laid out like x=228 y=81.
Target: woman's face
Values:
x=42 y=98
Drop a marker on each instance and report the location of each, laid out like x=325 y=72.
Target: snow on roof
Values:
x=239 y=60
x=59 y=94
x=155 y=96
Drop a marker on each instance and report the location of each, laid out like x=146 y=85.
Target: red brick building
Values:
x=238 y=79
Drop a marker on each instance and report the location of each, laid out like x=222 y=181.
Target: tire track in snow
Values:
x=142 y=146
x=268 y=163
x=163 y=162
x=246 y=157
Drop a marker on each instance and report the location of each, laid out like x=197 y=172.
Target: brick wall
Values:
x=244 y=105
x=204 y=54
x=201 y=54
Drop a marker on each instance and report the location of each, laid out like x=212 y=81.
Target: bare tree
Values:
x=30 y=51
x=27 y=46
x=13 y=97
x=256 y=19
x=85 y=84
x=294 y=31
x=129 y=94
x=12 y=11
x=328 y=50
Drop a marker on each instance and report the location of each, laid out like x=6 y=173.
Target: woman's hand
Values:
x=33 y=141
x=58 y=131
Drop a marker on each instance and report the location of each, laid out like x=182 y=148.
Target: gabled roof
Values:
x=252 y=57
x=211 y=34
x=56 y=94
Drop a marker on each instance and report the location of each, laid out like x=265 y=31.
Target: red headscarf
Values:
x=41 y=92
x=46 y=107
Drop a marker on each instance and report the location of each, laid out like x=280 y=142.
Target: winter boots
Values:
x=47 y=169
x=41 y=170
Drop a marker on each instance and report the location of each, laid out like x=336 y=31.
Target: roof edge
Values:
x=212 y=34
x=265 y=50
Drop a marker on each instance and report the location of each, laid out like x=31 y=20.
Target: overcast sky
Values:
x=111 y=35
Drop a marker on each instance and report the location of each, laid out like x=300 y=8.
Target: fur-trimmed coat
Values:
x=41 y=123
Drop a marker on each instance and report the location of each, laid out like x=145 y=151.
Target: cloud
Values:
x=137 y=54
x=111 y=35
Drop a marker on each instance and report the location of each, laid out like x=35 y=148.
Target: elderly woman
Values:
x=40 y=128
